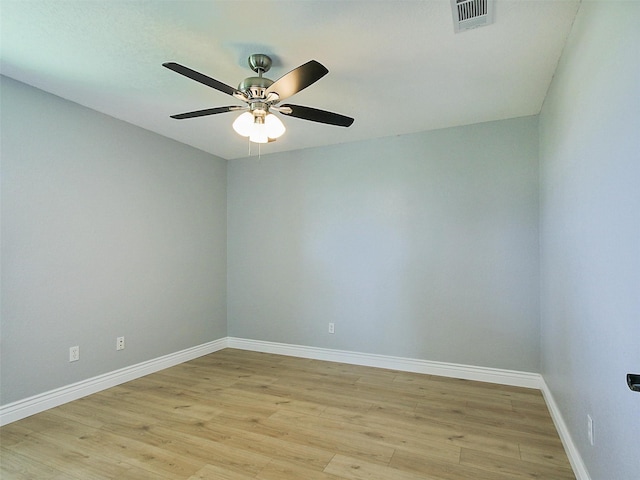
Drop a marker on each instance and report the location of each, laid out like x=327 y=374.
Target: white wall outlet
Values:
x=74 y=354
x=120 y=343
x=590 y=429
x=332 y=328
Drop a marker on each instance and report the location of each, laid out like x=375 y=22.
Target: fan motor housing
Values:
x=255 y=86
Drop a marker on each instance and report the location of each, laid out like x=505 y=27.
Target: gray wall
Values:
x=421 y=246
x=590 y=236
x=107 y=230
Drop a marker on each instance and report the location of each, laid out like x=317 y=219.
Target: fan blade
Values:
x=199 y=77
x=297 y=79
x=316 y=115
x=208 y=111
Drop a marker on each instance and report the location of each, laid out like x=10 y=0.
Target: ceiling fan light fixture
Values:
x=259 y=128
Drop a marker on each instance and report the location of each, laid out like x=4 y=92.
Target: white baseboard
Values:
x=44 y=401
x=577 y=464
x=467 y=372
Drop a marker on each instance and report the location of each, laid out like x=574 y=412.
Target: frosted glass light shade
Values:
x=275 y=128
x=259 y=133
x=243 y=125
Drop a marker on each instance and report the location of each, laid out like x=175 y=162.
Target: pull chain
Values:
x=259 y=149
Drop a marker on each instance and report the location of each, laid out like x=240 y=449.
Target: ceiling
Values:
x=396 y=66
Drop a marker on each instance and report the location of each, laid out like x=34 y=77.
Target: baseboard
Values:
x=577 y=464
x=44 y=401
x=467 y=372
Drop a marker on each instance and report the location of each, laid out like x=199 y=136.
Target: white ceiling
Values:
x=395 y=66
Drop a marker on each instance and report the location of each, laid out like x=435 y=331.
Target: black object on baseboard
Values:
x=633 y=381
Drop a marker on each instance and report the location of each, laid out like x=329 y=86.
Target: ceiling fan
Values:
x=262 y=97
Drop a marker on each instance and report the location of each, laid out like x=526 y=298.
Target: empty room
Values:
x=320 y=239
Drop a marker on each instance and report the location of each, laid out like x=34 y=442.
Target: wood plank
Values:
x=357 y=469
x=333 y=436
x=18 y=467
x=285 y=448
x=518 y=469
x=209 y=472
x=278 y=470
x=547 y=455
x=414 y=461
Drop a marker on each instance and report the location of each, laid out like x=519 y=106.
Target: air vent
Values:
x=468 y=14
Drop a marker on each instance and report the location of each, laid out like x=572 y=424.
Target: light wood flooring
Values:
x=239 y=415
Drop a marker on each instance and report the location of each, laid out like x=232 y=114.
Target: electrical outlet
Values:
x=74 y=354
x=332 y=328
x=590 y=429
x=120 y=343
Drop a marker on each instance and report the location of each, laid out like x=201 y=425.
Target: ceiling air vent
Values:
x=468 y=14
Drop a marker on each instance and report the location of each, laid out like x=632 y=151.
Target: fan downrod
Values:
x=260 y=63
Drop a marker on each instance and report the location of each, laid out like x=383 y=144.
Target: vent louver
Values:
x=468 y=14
